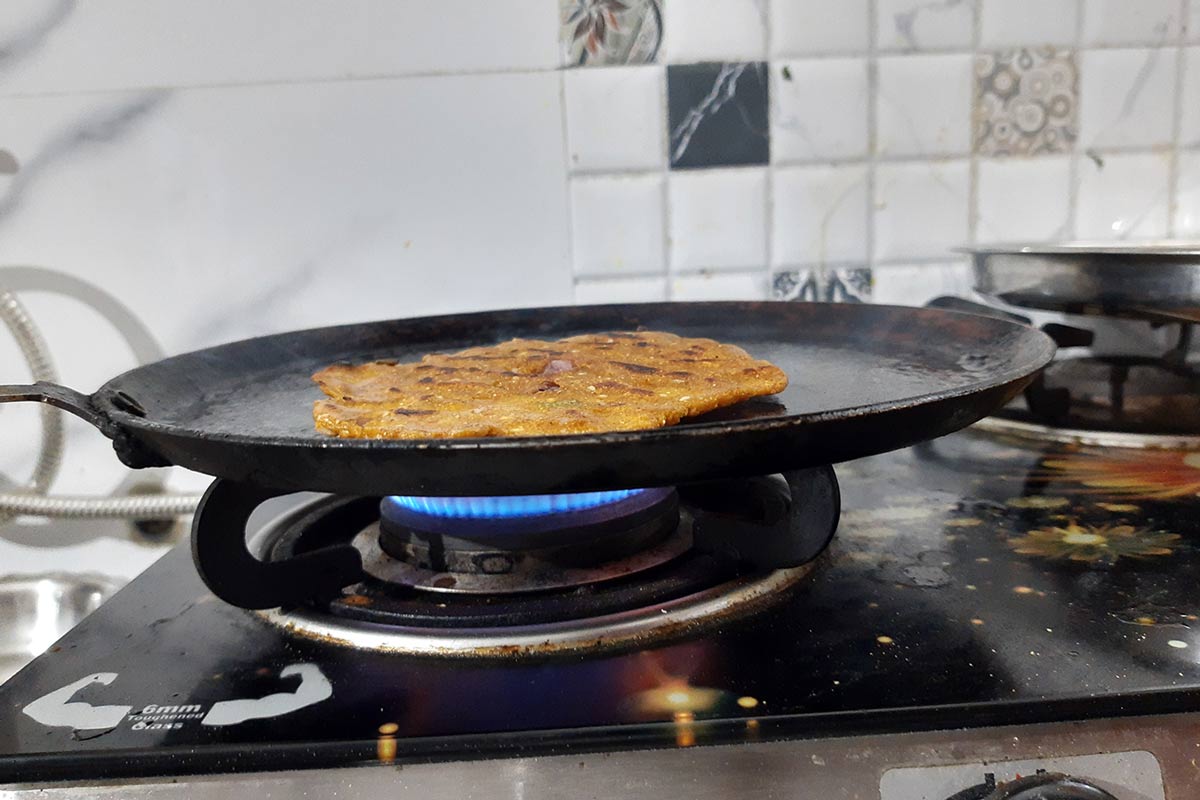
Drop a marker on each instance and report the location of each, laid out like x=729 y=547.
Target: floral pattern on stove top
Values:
x=1131 y=474
x=1093 y=544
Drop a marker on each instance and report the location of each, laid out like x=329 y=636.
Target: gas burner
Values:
x=533 y=574
x=521 y=544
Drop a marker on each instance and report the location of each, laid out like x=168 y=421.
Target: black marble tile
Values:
x=717 y=114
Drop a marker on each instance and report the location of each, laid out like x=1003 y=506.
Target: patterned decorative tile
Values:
x=1026 y=101
x=599 y=32
x=846 y=285
x=717 y=114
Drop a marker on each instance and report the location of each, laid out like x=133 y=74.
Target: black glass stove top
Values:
x=974 y=580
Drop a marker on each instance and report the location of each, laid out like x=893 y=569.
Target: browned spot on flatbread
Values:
x=528 y=387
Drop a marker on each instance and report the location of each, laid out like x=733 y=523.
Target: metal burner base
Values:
x=383 y=567
x=669 y=619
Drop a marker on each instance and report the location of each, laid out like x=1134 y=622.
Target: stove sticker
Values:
x=57 y=709
x=314 y=687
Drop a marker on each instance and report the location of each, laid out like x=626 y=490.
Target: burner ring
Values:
x=679 y=617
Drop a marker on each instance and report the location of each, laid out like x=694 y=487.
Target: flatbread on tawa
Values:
x=528 y=387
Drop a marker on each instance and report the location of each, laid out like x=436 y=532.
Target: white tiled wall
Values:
x=230 y=169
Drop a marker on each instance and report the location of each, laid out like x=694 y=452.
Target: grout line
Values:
x=516 y=71
x=772 y=100
x=602 y=277
x=1113 y=150
x=840 y=264
x=665 y=171
x=872 y=127
x=973 y=169
x=1176 y=124
x=1073 y=173
x=769 y=188
x=273 y=82
x=568 y=199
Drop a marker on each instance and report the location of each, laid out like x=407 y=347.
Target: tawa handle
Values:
x=79 y=404
x=131 y=451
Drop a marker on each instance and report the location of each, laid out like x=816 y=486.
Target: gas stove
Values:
x=1035 y=599
x=998 y=616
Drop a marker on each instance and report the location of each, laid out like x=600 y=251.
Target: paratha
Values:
x=528 y=387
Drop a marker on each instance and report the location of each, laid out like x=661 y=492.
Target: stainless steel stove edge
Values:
x=849 y=768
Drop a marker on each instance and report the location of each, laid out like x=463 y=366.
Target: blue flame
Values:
x=516 y=506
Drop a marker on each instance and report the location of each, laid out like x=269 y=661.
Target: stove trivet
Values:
x=706 y=550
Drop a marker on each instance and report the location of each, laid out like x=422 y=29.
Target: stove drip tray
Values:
x=451 y=577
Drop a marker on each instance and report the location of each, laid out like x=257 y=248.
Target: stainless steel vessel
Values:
x=1156 y=281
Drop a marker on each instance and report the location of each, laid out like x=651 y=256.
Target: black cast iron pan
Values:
x=864 y=379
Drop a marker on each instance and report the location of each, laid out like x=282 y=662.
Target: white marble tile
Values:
x=615 y=117
x=1187 y=204
x=819 y=109
x=732 y=30
x=920 y=209
x=810 y=27
x=717 y=218
x=1189 y=127
x=1191 y=31
x=593 y=291
x=911 y=25
x=618 y=225
x=1126 y=198
x=62 y=46
x=1015 y=23
x=718 y=286
x=924 y=105
x=819 y=215
x=214 y=220
x=1126 y=97
x=1024 y=199
x=917 y=284
x=1108 y=22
